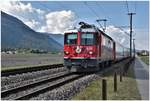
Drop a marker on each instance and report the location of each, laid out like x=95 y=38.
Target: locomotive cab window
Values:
x=71 y=38
x=88 y=39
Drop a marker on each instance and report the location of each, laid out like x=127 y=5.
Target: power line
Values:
x=92 y=10
x=122 y=30
x=110 y=19
x=106 y=15
x=127 y=6
x=62 y=6
x=45 y=6
x=135 y=7
x=77 y=17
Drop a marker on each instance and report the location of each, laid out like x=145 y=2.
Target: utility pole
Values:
x=104 y=20
x=130 y=14
x=134 y=47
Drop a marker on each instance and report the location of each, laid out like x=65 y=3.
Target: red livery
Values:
x=89 y=49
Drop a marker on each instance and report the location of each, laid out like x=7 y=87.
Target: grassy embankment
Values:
x=127 y=89
x=145 y=59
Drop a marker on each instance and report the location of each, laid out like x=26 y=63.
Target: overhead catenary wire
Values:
x=77 y=17
x=43 y=4
x=92 y=10
x=62 y=6
x=106 y=16
x=127 y=6
x=135 y=5
x=110 y=20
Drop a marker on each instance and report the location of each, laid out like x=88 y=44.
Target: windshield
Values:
x=71 y=38
x=87 y=39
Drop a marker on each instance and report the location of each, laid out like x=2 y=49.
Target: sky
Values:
x=58 y=16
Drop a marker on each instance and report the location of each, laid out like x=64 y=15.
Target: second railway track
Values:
x=32 y=89
x=29 y=69
x=5 y=81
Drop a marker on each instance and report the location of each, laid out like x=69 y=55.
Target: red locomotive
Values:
x=89 y=49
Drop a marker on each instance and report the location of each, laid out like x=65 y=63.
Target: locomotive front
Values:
x=80 y=51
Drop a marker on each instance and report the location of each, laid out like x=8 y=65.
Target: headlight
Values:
x=66 y=52
x=90 y=52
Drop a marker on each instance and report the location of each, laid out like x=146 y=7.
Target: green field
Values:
x=127 y=90
x=14 y=61
x=145 y=59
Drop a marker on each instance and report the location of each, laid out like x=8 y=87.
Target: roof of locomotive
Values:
x=88 y=28
x=94 y=29
x=85 y=27
x=71 y=31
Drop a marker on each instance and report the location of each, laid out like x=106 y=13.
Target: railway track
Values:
x=24 y=92
x=35 y=68
x=41 y=85
x=9 y=80
x=29 y=69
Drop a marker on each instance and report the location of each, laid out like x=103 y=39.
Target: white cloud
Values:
x=118 y=35
x=32 y=23
x=58 y=21
x=141 y=41
x=37 y=19
x=18 y=7
x=25 y=12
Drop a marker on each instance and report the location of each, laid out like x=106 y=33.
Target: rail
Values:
x=29 y=69
x=38 y=87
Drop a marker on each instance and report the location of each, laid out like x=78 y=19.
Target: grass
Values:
x=18 y=61
x=145 y=59
x=127 y=89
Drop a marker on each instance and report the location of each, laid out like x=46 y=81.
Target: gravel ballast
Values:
x=30 y=81
x=30 y=75
x=66 y=91
x=38 y=87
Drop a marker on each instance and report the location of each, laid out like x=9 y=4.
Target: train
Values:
x=88 y=49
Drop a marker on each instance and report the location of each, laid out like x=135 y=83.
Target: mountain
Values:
x=58 y=37
x=15 y=34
